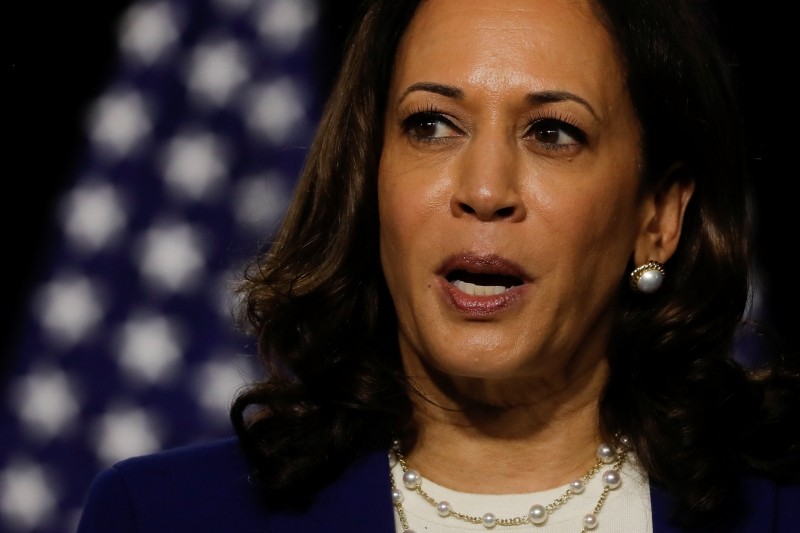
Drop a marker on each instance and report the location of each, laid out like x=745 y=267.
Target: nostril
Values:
x=486 y=213
x=505 y=212
x=467 y=208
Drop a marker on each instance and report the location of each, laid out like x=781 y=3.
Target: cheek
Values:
x=410 y=195
x=404 y=234
x=398 y=221
x=593 y=225
x=394 y=228
x=606 y=196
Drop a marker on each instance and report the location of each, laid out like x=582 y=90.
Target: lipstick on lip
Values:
x=481 y=284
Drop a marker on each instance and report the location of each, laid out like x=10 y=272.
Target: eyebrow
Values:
x=540 y=97
x=546 y=97
x=427 y=86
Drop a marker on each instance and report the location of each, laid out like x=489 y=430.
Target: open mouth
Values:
x=482 y=284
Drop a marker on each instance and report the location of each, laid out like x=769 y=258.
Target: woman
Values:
x=516 y=261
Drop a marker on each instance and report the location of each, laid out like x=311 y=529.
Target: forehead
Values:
x=500 y=43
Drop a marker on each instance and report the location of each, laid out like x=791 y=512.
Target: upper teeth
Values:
x=479 y=290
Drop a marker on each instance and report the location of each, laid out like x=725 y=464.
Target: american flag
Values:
x=127 y=345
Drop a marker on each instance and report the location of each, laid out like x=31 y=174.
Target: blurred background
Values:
x=150 y=147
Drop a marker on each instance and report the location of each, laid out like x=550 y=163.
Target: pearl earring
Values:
x=648 y=277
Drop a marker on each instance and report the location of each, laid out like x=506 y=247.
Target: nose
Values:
x=487 y=185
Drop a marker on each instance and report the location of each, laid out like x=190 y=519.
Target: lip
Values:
x=475 y=305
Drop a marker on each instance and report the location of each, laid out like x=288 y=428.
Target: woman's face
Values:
x=508 y=187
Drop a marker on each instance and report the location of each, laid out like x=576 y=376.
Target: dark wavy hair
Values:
x=316 y=301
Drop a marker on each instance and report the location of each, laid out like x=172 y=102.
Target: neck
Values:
x=471 y=438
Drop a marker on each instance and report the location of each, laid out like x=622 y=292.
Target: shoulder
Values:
x=221 y=460
x=207 y=488
x=781 y=498
x=203 y=485
x=764 y=505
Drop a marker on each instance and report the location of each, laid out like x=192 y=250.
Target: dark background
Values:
x=59 y=56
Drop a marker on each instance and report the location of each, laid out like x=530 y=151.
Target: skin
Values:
x=510 y=138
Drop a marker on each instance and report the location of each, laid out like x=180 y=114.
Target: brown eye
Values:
x=556 y=133
x=424 y=128
x=428 y=126
x=547 y=135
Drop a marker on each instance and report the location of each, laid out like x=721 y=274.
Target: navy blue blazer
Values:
x=205 y=489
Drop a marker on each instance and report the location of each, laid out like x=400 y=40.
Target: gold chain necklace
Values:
x=537 y=514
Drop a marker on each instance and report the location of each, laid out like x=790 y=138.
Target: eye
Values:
x=429 y=126
x=555 y=134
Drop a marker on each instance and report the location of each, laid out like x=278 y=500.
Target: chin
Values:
x=481 y=366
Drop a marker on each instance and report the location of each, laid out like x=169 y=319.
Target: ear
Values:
x=663 y=209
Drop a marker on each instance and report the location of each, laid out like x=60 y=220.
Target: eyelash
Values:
x=429 y=114
x=425 y=115
x=557 y=121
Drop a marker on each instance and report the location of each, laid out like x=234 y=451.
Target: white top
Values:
x=626 y=509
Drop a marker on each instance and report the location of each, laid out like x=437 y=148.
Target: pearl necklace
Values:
x=537 y=514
